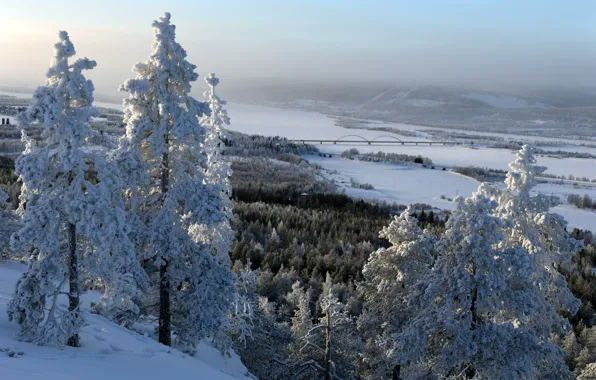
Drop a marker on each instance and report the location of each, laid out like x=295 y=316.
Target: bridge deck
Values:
x=370 y=142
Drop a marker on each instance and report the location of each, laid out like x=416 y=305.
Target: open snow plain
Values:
x=414 y=183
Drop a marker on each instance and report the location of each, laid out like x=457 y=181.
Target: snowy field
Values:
x=503 y=101
x=404 y=184
x=415 y=184
x=108 y=351
x=396 y=183
x=298 y=125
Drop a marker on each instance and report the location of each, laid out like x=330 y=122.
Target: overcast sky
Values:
x=469 y=42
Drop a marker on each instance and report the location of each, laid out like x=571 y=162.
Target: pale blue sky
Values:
x=472 y=42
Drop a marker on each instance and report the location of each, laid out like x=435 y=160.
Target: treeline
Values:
x=242 y=145
x=580 y=344
x=8 y=181
x=262 y=179
x=582 y=202
x=391 y=158
x=481 y=174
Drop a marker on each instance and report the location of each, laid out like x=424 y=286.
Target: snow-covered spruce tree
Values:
x=72 y=222
x=3 y=198
x=266 y=353
x=533 y=227
x=246 y=304
x=480 y=315
x=342 y=341
x=173 y=195
x=302 y=321
x=329 y=349
x=260 y=340
x=389 y=276
x=9 y=224
x=589 y=373
x=221 y=236
x=237 y=329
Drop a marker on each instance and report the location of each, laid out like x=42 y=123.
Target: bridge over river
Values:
x=379 y=140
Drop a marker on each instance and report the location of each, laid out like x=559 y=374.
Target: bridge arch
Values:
x=358 y=136
x=388 y=136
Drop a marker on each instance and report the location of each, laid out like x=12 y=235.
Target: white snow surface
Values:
x=398 y=183
x=108 y=351
x=409 y=185
x=13 y=120
x=503 y=101
x=414 y=184
x=293 y=124
x=21 y=95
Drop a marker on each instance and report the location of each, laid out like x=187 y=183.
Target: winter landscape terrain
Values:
x=432 y=184
x=306 y=229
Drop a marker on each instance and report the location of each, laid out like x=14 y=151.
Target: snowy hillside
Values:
x=503 y=101
x=108 y=351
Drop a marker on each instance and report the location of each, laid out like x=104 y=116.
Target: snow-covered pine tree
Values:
x=246 y=304
x=302 y=321
x=219 y=237
x=480 y=314
x=329 y=349
x=266 y=353
x=342 y=340
x=389 y=277
x=72 y=221
x=9 y=224
x=173 y=195
x=531 y=226
x=237 y=330
x=3 y=198
x=588 y=373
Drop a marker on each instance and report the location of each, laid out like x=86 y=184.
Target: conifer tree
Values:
x=389 y=277
x=9 y=224
x=588 y=373
x=542 y=233
x=73 y=221
x=266 y=352
x=172 y=194
x=329 y=349
x=480 y=315
x=218 y=171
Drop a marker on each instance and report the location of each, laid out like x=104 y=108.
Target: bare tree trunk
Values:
x=328 y=347
x=470 y=372
x=395 y=372
x=165 y=316
x=165 y=328
x=73 y=280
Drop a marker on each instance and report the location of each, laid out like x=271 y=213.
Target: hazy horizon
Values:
x=484 y=44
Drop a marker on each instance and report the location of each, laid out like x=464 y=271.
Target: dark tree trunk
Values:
x=395 y=372
x=470 y=371
x=73 y=279
x=165 y=328
x=165 y=316
x=328 y=347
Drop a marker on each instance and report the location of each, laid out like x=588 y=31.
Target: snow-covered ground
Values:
x=20 y=95
x=108 y=351
x=297 y=125
x=397 y=183
x=416 y=184
x=503 y=101
x=407 y=184
x=13 y=120
x=410 y=184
